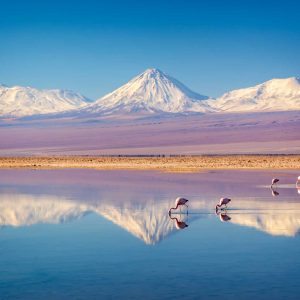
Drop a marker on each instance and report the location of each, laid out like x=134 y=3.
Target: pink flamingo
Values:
x=298 y=179
x=179 y=224
x=274 y=181
x=179 y=202
x=223 y=217
x=223 y=201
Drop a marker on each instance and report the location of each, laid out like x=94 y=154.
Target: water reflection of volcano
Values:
x=147 y=220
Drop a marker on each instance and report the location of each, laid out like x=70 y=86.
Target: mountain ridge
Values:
x=152 y=92
x=18 y=101
x=278 y=94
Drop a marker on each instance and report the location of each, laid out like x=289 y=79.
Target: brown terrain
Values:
x=168 y=164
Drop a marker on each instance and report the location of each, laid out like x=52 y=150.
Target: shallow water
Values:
x=86 y=234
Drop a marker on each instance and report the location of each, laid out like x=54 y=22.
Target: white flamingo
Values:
x=274 y=181
x=223 y=201
x=178 y=203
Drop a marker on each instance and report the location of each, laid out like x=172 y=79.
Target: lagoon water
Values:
x=88 y=234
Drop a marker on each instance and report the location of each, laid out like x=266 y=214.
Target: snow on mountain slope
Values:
x=150 y=92
x=25 y=101
x=272 y=95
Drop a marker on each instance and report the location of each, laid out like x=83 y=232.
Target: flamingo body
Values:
x=223 y=201
x=179 y=202
x=274 y=181
x=298 y=179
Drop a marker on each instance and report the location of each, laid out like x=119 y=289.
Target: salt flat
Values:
x=222 y=133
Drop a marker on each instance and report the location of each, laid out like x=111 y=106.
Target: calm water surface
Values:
x=87 y=234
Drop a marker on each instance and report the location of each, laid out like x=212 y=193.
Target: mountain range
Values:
x=20 y=101
x=152 y=92
x=272 y=95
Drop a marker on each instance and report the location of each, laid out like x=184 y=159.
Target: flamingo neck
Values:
x=171 y=209
x=174 y=207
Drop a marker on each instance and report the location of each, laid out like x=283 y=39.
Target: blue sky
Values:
x=94 y=47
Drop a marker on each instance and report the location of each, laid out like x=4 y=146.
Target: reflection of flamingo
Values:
x=298 y=179
x=274 y=193
x=223 y=216
x=274 y=181
x=179 y=202
x=179 y=224
x=223 y=201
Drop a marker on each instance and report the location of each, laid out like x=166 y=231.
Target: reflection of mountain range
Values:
x=148 y=220
x=150 y=224
x=275 y=218
x=23 y=210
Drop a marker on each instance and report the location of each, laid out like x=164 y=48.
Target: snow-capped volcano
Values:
x=20 y=101
x=152 y=91
x=272 y=95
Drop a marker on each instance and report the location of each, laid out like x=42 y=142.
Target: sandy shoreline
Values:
x=168 y=164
